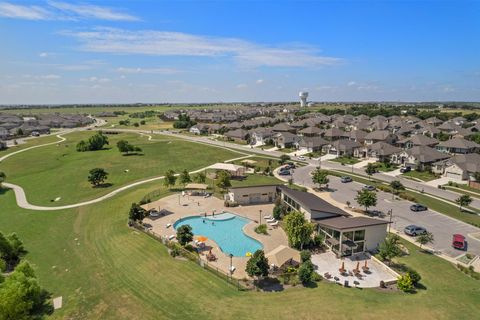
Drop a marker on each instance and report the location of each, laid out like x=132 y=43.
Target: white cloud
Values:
x=10 y=10
x=147 y=70
x=91 y=12
x=43 y=55
x=95 y=80
x=260 y=81
x=163 y=43
x=351 y=83
x=42 y=77
x=62 y=11
x=241 y=86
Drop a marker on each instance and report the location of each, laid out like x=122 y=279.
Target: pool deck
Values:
x=180 y=206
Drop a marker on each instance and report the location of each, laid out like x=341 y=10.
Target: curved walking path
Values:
x=21 y=197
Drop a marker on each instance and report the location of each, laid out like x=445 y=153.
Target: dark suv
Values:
x=418 y=207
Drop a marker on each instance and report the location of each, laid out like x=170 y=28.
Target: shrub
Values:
x=190 y=248
x=414 y=276
x=305 y=255
x=407 y=197
x=305 y=272
x=405 y=283
x=261 y=229
x=174 y=252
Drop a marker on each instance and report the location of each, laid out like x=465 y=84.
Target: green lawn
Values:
x=104 y=270
x=422 y=175
x=381 y=166
x=464 y=189
x=345 y=160
x=29 y=143
x=60 y=171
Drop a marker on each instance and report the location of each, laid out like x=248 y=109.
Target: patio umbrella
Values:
x=358 y=266
x=366 y=264
x=202 y=238
x=343 y=265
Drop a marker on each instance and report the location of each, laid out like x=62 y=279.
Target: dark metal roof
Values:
x=341 y=223
x=312 y=203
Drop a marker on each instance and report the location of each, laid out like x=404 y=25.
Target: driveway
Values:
x=442 y=226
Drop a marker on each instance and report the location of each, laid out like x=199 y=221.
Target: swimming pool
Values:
x=226 y=230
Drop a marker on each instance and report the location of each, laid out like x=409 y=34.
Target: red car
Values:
x=458 y=242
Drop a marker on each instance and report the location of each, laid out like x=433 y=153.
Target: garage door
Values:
x=453 y=175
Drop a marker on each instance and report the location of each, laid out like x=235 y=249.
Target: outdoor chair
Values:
x=267 y=217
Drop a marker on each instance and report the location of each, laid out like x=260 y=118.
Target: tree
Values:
x=464 y=201
x=3 y=176
x=370 y=169
x=184 y=234
x=223 y=180
x=280 y=209
x=97 y=141
x=305 y=255
x=396 y=187
x=305 y=272
x=257 y=265
x=299 y=230
x=425 y=238
x=125 y=147
x=200 y=177
x=11 y=250
x=97 y=176
x=170 y=179
x=320 y=177
x=284 y=158
x=185 y=178
x=82 y=146
x=366 y=198
x=414 y=276
x=137 y=213
x=390 y=248
x=405 y=283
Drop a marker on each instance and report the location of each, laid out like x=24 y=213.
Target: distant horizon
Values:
x=106 y=52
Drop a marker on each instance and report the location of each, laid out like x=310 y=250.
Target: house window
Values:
x=359 y=235
x=348 y=235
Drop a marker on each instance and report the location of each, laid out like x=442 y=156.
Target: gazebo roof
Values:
x=281 y=255
x=196 y=186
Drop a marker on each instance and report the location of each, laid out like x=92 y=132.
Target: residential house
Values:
x=380 y=136
x=459 y=167
x=237 y=135
x=312 y=144
x=419 y=157
x=342 y=148
x=283 y=127
x=285 y=139
x=334 y=134
x=417 y=140
x=262 y=136
x=310 y=132
x=458 y=146
x=3 y=145
x=381 y=151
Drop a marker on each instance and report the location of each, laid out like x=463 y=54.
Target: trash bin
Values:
x=345 y=284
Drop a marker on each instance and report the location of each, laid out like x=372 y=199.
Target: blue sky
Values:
x=195 y=51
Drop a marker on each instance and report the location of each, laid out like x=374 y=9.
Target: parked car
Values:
x=346 y=179
x=375 y=213
x=458 y=242
x=302 y=158
x=369 y=187
x=405 y=169
x=154 y=214
x=291 y=164
x=413 y=230
x=284 y=173
x=418 y=207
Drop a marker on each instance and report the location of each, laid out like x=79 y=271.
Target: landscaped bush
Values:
x=405 y=283
x=384 y=188
x=174 y=252
x=261 y=229
x=469 y=271
x=407 y=197
x=414 y=276
x=305 y=255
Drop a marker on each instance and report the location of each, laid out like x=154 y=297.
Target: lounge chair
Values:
x=267 y=217
x=171 y=237
x=168 y=225
x=271 y=220
x=273 y=224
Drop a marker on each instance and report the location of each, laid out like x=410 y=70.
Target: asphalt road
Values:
x=441 y=226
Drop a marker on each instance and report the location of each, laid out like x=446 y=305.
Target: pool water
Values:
x=226 y=230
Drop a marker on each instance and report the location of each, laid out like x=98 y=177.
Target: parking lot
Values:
x=441 y=226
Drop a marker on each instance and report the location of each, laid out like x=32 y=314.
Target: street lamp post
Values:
x=260 y=221
x=231 y=265
x=390 y=212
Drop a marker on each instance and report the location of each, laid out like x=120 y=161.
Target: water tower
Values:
x=303 y=98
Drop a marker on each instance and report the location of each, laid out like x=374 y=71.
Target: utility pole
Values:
x=390 y=212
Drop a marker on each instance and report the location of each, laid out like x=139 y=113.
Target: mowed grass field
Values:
x=54 y=171
x=104 y=270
